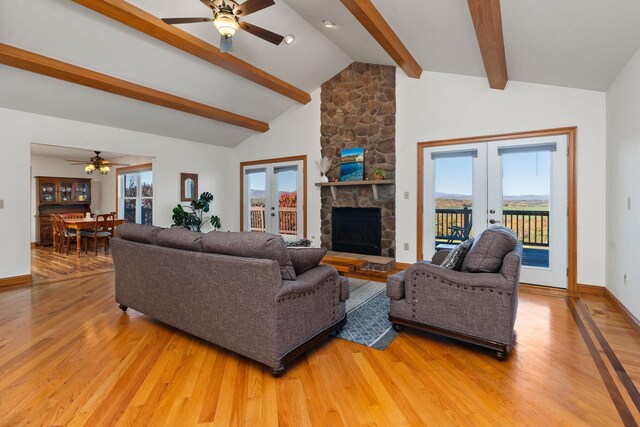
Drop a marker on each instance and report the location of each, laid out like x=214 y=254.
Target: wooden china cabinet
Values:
x=57 y=195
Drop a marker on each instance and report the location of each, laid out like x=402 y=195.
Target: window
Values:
x=135 y=194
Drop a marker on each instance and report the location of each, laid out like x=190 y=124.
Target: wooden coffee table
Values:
x=344 y=265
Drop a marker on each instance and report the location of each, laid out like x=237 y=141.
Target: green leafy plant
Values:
x=192 y=216
x=378 y=173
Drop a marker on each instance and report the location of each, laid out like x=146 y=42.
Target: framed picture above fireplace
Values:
x=352 y=164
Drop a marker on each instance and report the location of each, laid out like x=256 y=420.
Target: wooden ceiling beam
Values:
x=136 y=18
x=35 y=63
x=487 y=20
x=371 y=19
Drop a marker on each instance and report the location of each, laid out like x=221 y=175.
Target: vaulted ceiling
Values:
x=574 y=43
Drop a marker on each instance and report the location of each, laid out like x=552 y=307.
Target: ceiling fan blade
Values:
x=75 y=160
x=185 y=20
x=226 y=44
x=208 y=4
x=251 y=6
x=267 y=35
x=79 y=164
x=116 y=164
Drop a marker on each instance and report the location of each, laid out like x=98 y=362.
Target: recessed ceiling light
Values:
x=288 y=39
x=328 y=24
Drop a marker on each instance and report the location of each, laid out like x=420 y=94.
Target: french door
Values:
x=272 y=198
x=519 y=183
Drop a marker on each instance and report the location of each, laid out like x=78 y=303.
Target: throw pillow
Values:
x=488 y=250
x=304 y=259
x=454 y=259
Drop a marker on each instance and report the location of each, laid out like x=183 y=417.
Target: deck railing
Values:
x=288 y=220
x=532 y=227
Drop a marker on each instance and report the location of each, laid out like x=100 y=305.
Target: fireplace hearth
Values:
x=356 y=230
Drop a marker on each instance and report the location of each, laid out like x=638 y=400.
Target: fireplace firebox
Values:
x=356 y=230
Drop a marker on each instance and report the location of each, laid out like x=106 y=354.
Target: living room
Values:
x=573 y=76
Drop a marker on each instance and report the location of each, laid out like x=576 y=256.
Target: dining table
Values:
x=78 y=225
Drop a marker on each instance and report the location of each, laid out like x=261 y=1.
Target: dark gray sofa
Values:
x=473 y=306
x=228 y=289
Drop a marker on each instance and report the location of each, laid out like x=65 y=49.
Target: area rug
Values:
x=367 y=315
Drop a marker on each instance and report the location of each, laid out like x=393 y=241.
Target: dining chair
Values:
x=55 y=233
x=65 y=235
x=102 y=231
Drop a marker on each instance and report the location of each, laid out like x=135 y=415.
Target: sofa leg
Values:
x=123 y=307
x=340 y=326
x=398 y=327
x=501 y=355
x=277 y=372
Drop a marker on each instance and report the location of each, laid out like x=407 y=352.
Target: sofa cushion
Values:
x=488 y=250
x=180 y=238
x=455 y=257
x=251 y=245
x=304 y=259
x=138 y=233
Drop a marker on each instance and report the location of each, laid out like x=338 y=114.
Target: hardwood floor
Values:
x=47 y=265
x=69 y=356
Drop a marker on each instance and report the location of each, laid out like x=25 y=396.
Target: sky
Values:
x=286 y=181
x=523 y=173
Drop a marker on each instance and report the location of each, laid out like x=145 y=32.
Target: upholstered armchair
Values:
x=476 y=307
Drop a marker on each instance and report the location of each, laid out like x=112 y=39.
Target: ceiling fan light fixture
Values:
x=226 y=24
x=328 y=24
x=288 y=39
x=104 y=169
x=89 y=168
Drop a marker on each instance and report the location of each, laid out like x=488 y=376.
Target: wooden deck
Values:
x=535 y=257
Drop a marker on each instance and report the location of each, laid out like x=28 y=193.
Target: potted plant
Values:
x=193 y=218
x=379 y=174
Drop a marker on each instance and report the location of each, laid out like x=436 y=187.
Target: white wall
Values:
x=440 y=106
x=297 y=132
x=171 y=156
x=623 y=176
x=51 y=166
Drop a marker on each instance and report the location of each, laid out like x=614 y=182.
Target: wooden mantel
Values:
x=374 y=185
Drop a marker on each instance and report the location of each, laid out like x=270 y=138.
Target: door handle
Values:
x=493 y=221
x=273 y=214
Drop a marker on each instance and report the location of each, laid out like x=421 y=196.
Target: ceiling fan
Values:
x=226 y=19
x=96 y=163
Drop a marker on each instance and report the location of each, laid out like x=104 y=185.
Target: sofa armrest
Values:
x=395 y=285
x=433 y=273
x=307 y=281
x=345 y=289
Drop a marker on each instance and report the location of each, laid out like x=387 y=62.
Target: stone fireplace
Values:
x=358 y=109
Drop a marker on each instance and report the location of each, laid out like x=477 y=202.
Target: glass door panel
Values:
x=453 y=195
x=527 y=181
x=286 y=179
x=453 y=199
x=256 y=180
